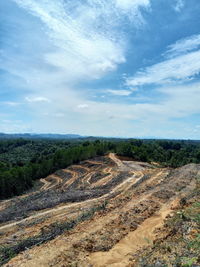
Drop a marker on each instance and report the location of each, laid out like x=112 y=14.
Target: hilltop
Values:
x=39 y=136
x=106 y=211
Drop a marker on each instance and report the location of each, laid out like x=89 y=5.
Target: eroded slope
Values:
x=97 y=213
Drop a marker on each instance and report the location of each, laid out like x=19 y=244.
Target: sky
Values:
x=121 y=68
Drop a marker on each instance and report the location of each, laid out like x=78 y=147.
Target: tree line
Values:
x=20 y=178
x=15 y=178
x=18 y=152
x=167 y=153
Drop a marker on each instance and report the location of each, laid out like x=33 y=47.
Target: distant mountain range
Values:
x=39 y=136
x=77 y=136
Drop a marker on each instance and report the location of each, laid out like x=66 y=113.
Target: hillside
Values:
x=102 y=212
x=39 y=136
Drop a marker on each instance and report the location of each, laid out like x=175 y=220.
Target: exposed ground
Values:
x=102 y=212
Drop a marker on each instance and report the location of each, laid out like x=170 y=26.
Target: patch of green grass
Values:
x=193 y=213
x=195 y=243
x=187 y=262
x=6 y=253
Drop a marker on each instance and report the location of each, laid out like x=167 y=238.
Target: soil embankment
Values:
x=134 y=200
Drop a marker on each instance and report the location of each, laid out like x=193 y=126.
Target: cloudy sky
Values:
x=128 y=68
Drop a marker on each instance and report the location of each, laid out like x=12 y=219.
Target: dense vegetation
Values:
x=18 y=175
x=18 y=152
x=22 y=161
x=167 y=153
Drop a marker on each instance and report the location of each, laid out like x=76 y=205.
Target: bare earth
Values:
x=139 y=197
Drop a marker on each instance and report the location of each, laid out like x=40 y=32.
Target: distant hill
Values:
x=39 y=136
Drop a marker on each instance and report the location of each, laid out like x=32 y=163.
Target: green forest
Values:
x=23 y=161
x=19 y=170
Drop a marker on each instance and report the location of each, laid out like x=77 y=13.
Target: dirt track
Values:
x=139 y=197
x=57 y=210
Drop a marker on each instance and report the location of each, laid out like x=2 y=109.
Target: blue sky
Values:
x=126 y=68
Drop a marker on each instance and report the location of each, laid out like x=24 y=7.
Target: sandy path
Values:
x=126 y=185
x=144 y=235
x=119 y=255
x=86 y=179
x=50 y=184
x=57 y=180
x=54 y=211
x=121 y=252
x=56 y=247
x=105 y=179
x=94 y=162
x=81 y=167
x=46 y=184
x=67 y=206
x=45 y=254
x=126 y=182
x=118 y=162
x=72 y=179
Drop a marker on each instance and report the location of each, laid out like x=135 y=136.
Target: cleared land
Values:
x=98 y=213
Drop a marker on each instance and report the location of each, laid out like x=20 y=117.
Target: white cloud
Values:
x=85 y=33
x=120 y=119
x=179 y=5
x=181 y=100
x=14 y=126
x=183 y=46
x=82 y=106
x=180 y=68
x=37 y=99
x=75 y=40
x=131 y=8
x=11 y=103
x=181 y=64
x=119 y=92
x=127 y=4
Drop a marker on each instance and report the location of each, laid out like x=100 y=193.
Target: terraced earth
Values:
x=98 y=213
